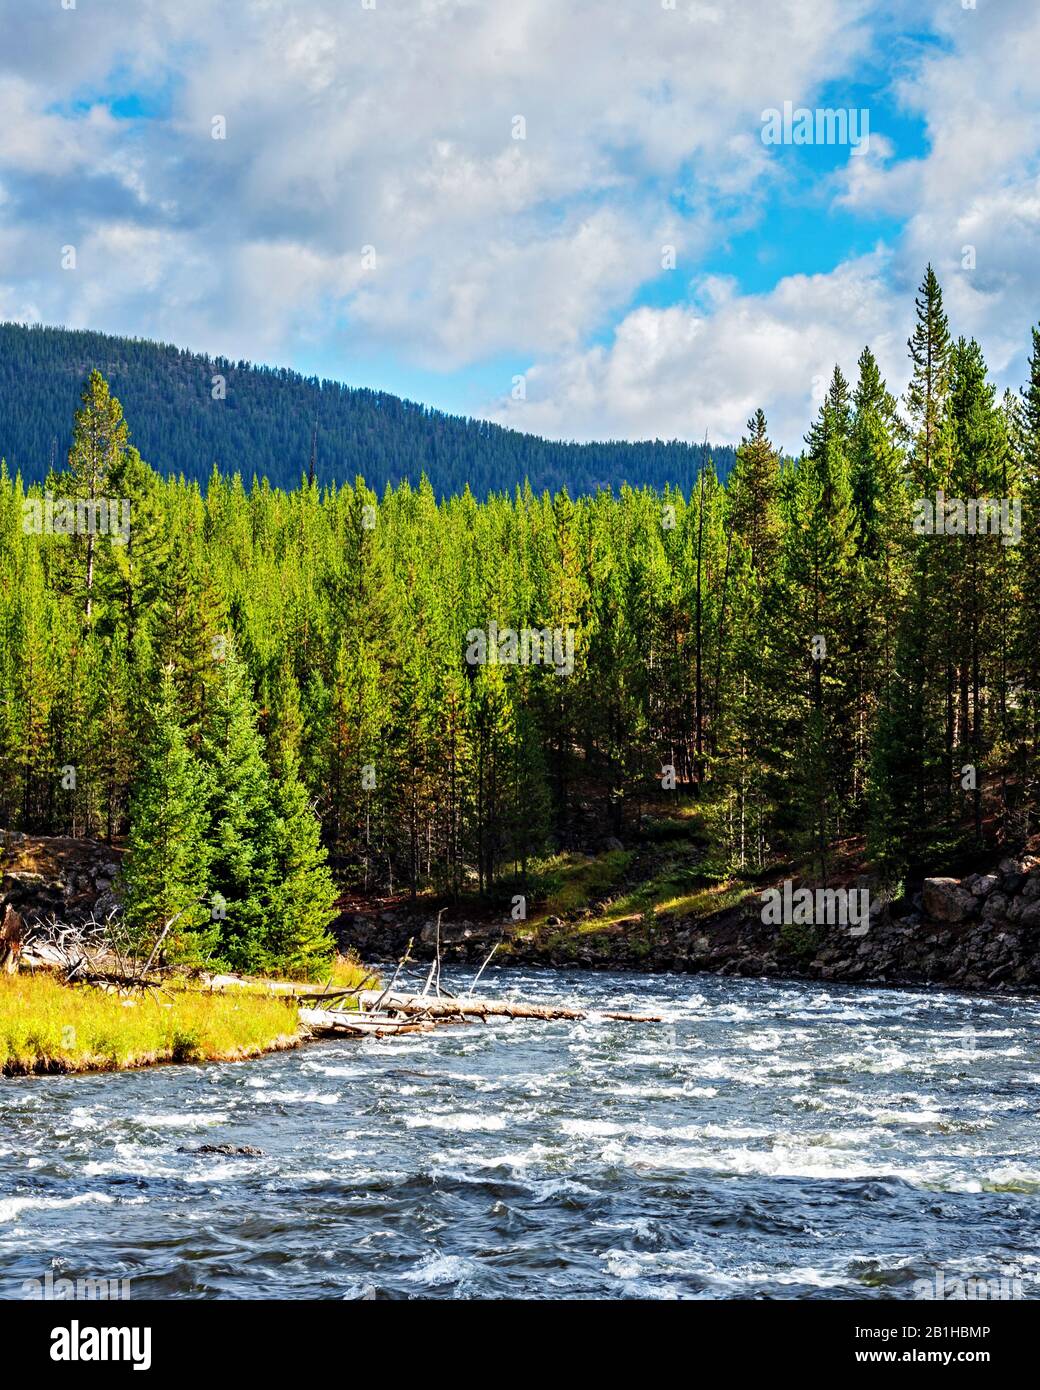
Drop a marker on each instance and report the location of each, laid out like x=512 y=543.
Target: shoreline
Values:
x=98 y=1065
x=977 y=935
x=49 y=1027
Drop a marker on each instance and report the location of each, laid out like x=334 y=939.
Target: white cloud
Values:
x=674 y=372
x=393 y=127
x=678 y=371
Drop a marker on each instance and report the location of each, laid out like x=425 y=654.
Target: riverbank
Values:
x=51 y=1027
x=977 y=934
x=47 y=1027
x=651 y=908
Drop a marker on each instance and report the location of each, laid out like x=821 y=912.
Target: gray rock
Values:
x=995 y=908
x=1019 y=864
x=1030 y=915
x=946 y=901
x=226 y=1150
x=983 y=884
x=22 y=878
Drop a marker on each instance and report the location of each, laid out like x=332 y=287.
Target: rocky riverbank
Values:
x=44 y=877
x=977 y=933
x=981 y=932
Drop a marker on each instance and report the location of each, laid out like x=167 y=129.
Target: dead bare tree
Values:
x=98 y=951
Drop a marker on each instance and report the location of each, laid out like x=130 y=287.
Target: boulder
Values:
x=1019 y=864
x=1030 y=915
x=982 y=884
x=226 y=1150
x=946 y=901
x=995 y=908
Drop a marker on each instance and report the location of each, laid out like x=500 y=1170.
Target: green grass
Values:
x=572 y=881
x=348 y=973
x=47 y=1026
x=684 y=823
x=702 y=901
x=677 y=889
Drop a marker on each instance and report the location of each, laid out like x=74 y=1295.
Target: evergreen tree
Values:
x=164 y=872
x=1027 y=626
x=930 y=349
x=753 y=494
x=99 y=441
x=303 y=895
x=242 y=816
x=317 y=643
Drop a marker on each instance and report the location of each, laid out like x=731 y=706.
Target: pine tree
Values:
x=188 y=620
x=906 y=782
x=813 y=612
x=1028 y=624
x=303 y=895
x=99 y=441
x=240 y=806
x=33 y=635
x=133 y=569
x=164 y=872
x=753 y=494
x=930 y=350
x=881 y=508
x=976 y=565
x=912 y=774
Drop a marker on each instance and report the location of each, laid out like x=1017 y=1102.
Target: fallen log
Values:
x=417 y=1004
x=392 y=1014
x=112 y=980
x=354 y=1024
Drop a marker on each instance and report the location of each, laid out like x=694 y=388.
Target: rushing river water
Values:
x=768 y=1140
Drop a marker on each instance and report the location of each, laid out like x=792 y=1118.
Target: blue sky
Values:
x=538 y=260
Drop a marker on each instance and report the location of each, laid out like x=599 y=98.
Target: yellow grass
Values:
x=349 y=973
x=712 y=898
x=46 y=1026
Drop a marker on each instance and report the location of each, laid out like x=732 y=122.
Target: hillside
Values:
x=266 y=424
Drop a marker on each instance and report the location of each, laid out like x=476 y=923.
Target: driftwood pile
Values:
x=419 y=1013
x=385 y=1013
x=92 y=954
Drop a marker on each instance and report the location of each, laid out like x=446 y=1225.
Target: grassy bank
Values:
x=46 y=1026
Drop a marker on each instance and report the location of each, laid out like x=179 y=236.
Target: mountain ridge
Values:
x=269 y=418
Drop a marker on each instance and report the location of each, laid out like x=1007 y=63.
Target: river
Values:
x=768 y=1140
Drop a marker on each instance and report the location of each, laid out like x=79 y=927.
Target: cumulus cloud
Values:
x=970 y=205
x=670 y=373
x=393 y=128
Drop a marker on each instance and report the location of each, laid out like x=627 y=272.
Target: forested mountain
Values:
x=842 y=644
x=265 y=420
